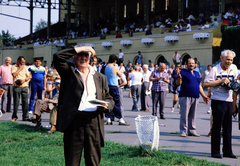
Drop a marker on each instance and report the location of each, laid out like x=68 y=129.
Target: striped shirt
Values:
x=159 y=85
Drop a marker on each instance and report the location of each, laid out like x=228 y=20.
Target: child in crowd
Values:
x=50 y=86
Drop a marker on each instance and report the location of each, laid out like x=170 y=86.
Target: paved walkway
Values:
x=198 y=147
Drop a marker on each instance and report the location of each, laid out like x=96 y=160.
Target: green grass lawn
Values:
x=23 y=145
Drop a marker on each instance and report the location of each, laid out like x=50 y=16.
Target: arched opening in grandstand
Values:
x=160 y=58
x=135 y=60
x=185 y=57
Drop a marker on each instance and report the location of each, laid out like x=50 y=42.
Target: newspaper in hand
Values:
x=97 y=103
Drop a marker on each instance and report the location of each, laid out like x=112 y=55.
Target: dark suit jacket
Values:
x=72 y=88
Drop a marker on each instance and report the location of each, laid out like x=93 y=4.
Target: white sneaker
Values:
x=208 y=111
x=172 y=110
x=30 y=112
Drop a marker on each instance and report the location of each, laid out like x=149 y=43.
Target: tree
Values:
x=41 y=25
x=231 y=40
x=6 y=38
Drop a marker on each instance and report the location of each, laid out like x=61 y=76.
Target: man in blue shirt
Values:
x=188 y=98
x=38 y=82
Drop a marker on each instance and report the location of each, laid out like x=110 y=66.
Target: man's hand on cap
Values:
x=79 y=48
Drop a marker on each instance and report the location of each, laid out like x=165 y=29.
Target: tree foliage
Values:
x=41 y=25
x=231 y=40
x=6 y=38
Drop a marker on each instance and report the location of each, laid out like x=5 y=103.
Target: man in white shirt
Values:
x=168 y=22
x=146 y=89
x=188 y=27
x=223 y=103
x=206 y=26
x=136 y=78
x=120 y=57
x=176 y=58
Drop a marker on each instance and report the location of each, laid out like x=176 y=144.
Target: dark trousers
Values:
x=36 y=87
x=113 y=91
x=144 y=97
x=17 y=91
x=83 y=132
x=121 y=100
x=158 y=97
x=120 y=60
x=7 y=97
x=222 y=118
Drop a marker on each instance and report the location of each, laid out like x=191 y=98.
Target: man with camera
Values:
x=221 y=80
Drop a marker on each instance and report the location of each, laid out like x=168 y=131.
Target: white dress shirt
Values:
x=146 y=77
x=89 y=92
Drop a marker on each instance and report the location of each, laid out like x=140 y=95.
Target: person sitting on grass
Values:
x=44 y=106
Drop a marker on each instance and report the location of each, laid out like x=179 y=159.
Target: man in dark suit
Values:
x=81 y=121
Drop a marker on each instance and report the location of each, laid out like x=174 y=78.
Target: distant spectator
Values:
x=200 y=27
x=119 y=35
x=180 y=19
x=151 y=67
x=99 y=67
x=140 y=29
x=146 y=28
x=215 y=24
x=152 y=25
x=56 y=41
x=175 y=29
x=137 y=29
x=132 y=26
x=191 y=17
x=62 y=41
x=130 y=32
x=148 y=32
x=126 y=28
x=188 y=26
x=158 y=23
x=228 y=15
x=120 y=57
x=117 y=29
x=121 y=68
x=206 y=26
x=168 y=22
x=225 y=22
x=162 y=26
x=140 y=57
x=37 y=42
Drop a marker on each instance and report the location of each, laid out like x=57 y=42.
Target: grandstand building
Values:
x=78 y=16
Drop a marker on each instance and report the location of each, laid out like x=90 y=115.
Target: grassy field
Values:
x=22 y=145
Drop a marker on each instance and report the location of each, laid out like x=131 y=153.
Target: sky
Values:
x=21 y=28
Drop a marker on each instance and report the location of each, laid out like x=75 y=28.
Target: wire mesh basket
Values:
x=147 y=131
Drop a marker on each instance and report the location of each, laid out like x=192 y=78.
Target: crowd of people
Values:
x=72 y=88
x=27 y=82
